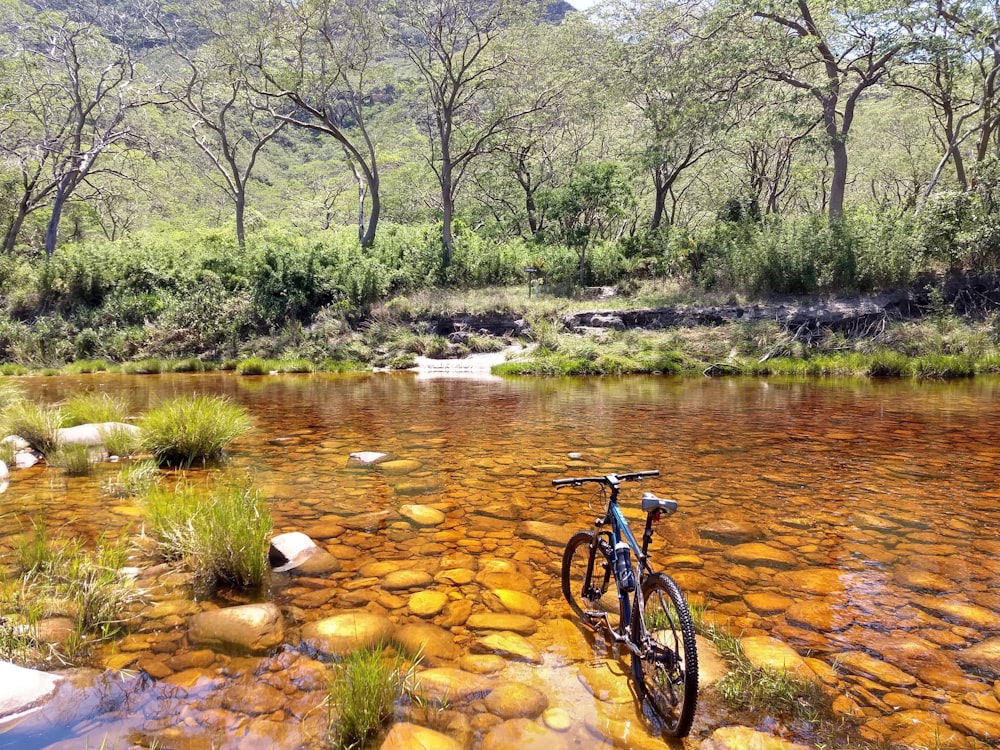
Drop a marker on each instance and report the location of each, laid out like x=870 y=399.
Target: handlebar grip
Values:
x=567 y=480
x=639 y=474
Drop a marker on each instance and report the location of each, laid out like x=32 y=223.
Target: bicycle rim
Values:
x=588 y=581
x=666 y=669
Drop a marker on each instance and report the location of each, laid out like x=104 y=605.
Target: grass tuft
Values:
x=37 y=423
x=222 y=535
x=90 y=407
x=186 y=429
x=73 y=459
x=132 y=480
x=362 y=695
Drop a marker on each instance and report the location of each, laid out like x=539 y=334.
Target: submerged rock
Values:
x=250 y=627
x=741 y=738
x=406 y=736
x=92 y=434
x=346 y=632
x=23 y=690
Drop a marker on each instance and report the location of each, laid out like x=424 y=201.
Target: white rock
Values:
x=23 y=690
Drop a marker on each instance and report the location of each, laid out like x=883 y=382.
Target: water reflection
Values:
x=855 y=520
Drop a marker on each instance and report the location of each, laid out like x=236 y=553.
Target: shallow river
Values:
x=856 y=521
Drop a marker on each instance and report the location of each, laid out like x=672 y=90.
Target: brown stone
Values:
x=769 y=653
x=497 y=621
x=251 y=627
x=406 y=736
x=858 y=662
x=756 y=554
x=340 y=634
x=522 y=734
x=741 y=738
x=515 y=700
x=730 y=532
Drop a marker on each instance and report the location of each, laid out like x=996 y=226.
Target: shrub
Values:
x=887 y=364
x=191 y=428
x=88 y=407
x=36 y=423
x=223 y=537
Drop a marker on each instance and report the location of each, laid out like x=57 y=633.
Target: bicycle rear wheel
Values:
x=588 y=580
x=666 y=668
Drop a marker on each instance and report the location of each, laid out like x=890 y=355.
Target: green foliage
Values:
x=222 y=534
x=255 y=366
x=186 y=429
x=362 y=695
x=121 y=441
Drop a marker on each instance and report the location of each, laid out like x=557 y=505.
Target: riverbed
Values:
x=855 y=520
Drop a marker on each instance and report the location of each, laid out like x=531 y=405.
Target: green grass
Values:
x=150 y=366
x=255 y=366
x=89 y=407
x=35 y=422
x=221 y=534
x=73 y=459
x=120 y=441
x=134 y=479
x=362 y=695
x=62 y=577
x=187 y=429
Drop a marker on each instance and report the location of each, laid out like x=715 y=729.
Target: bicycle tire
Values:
x=588 y=581
x=665 y=670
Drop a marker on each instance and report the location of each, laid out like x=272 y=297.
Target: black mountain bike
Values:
x=608 y=581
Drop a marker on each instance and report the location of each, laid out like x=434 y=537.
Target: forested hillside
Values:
x=769 y=145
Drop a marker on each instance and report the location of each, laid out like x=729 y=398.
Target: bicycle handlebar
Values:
x=609 y=480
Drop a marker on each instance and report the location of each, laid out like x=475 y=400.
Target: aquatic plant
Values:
x=186 y=429
x=144 y=367
x=361 y=695
x=35 y=422
x=89 y=407
x=120 y=441
x=73 y=459
x=223 y=535
x=134 y=479
x=61 y=577
x=254 y=366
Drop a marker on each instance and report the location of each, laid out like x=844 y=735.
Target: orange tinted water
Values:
x=843 y=518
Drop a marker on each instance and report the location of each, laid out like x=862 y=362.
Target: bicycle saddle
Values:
x=651 y=502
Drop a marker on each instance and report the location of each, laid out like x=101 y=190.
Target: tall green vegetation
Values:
x=369 y=151
x=186 y=429
x=221 y=533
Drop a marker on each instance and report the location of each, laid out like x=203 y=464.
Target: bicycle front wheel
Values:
x=588 y=580
x=665 y=669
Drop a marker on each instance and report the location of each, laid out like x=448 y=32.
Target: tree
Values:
x=469 y=78
x=667 y=68
x=832 y=52
x=321 y=57
x=955 y=68
x=592 y=204
x=230 y=124
x=68 y=114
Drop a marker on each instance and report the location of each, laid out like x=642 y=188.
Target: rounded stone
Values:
x=522 y=734
x=346 y=632
x=557 y=719
x=769 y=653
x=250 y=627
x=406 y=579
x=514 y=602
x=406 y=736
x=422 y=515
x=515 y=700
x=427 y=603
x=509 y=645
x=433 y=643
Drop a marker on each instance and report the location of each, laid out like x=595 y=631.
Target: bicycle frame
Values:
x=622 y=531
